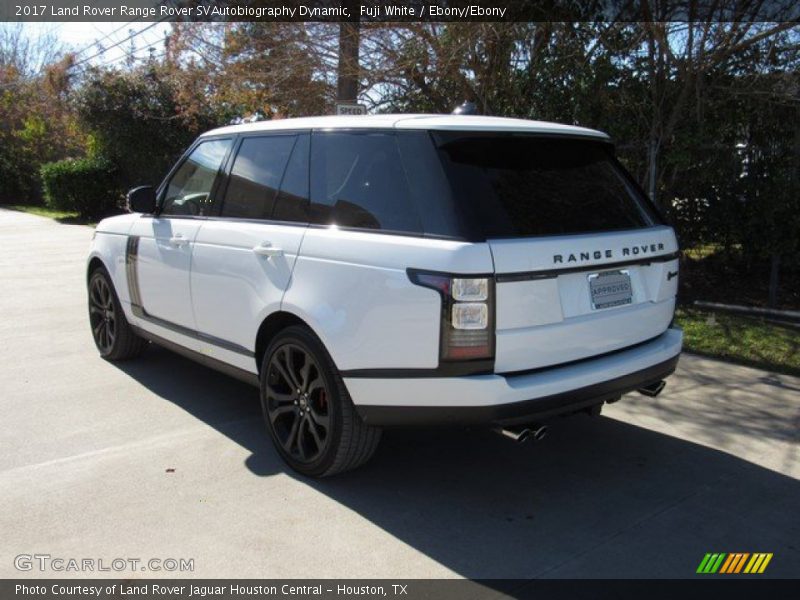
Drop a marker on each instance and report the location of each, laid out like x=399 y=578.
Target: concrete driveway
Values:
x=86 y=449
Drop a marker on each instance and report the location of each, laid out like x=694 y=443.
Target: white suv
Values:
x=396 y=270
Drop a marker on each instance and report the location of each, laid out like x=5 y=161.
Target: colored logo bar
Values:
x=734 y=562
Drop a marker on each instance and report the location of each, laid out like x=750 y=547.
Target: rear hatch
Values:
x=584 y=264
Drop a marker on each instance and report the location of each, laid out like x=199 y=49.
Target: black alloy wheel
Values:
x=102 y=315
x=297 y=403
x=113 y=335
x=307 y=408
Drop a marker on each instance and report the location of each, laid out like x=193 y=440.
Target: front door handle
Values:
x=178 y=240
x=268 y=250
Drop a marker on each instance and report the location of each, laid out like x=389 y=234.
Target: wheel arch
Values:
x=95 y=262
x=270 y=327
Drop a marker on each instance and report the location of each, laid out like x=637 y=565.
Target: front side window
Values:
x=189 y=189
x=358 y=180
x=255 y=176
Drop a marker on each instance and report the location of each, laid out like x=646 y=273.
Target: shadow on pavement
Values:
x=597 y=498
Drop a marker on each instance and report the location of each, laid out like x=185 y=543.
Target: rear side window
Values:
x=516 y=185
x=256 y=175
x=292 y=201
x=358 y=180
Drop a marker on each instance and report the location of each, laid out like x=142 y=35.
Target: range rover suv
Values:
x=395 y=270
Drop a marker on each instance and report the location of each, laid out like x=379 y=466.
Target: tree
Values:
x=257 y=70
x=37 y=121
x=26 y=53
x=137 y=121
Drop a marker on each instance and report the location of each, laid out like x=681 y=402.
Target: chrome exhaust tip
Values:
x=653 y=390
x=523 y=434
x=539 y=433
x=518 y=435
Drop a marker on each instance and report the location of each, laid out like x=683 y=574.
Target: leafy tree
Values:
x=137 y=121
x=251 y=71
x=37 y=120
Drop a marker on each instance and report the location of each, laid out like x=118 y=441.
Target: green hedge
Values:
x=87 y=186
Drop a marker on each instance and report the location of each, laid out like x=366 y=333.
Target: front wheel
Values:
x=307 y=409
x=113 y=336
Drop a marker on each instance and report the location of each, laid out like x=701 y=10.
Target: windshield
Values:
x=517 y=185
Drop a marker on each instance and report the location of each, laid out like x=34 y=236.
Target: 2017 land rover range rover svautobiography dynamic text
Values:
x=395 y=270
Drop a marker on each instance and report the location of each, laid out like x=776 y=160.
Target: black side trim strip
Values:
x=526 y=411
x=132 y=275
x=131 y=256
x=240 y=374
x=552 y=273
x=199 y=335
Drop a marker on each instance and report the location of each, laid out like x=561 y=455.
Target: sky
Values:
x=82 y=38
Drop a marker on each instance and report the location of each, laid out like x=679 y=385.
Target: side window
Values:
x=357 y=180
x=256 y=175
x=292 y=201
x=190 y=187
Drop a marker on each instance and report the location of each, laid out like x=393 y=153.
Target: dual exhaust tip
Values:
x=523 y=434
x=538 y=432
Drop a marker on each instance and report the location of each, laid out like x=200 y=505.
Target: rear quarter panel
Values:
x=352 y=288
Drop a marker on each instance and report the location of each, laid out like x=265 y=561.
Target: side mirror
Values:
x=142 y=199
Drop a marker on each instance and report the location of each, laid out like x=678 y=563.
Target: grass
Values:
x=61 y=216
x=744 y=340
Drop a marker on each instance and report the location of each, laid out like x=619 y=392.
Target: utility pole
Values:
x=652 y=174
x=347 y=72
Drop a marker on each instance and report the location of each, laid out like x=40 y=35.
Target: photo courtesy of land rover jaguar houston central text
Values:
x=371 y=271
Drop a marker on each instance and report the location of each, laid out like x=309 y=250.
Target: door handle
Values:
x=268 y=250
x=178 y=240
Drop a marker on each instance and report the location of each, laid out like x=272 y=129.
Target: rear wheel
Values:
x=307 y=409
x=113 y=335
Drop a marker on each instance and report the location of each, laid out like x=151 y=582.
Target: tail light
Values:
x=467 y=323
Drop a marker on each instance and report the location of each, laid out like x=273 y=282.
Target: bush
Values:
x=87 y=186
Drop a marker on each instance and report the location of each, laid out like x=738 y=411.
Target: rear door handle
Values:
x=178 y=240
x=268 y=250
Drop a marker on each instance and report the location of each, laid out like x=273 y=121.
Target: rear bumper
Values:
x=496 y=399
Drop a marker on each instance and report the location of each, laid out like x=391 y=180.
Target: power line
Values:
x=130 y=37
x=117 y=30
x=128 y=54
x=105 y=37
x=132 y=54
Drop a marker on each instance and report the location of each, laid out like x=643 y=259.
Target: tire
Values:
x=302 y=398
x=112 y=334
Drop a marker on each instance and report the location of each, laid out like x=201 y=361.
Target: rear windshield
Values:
x=517 y=185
